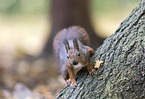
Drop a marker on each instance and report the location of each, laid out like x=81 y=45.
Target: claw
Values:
x=67 y=81
x=73 y=85
x=92 y=72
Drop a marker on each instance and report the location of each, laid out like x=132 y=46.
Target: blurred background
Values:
x=26 y=27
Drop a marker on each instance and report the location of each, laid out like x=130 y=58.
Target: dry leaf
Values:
x=97 y=63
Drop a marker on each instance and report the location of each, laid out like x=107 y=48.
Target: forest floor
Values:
x=29 y=77
x=22 y=72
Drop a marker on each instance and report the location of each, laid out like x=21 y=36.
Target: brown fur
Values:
x=67 y=34
x=70 y=45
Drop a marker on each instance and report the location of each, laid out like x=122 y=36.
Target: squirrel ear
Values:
x=67 y=46
x=76 y=46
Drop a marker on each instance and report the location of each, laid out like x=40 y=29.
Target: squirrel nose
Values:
x=75 y=62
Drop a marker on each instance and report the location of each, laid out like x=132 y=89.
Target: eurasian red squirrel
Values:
x=71 y=47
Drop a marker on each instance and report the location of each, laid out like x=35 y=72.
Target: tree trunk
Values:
x=65 y=13
x=121 y=76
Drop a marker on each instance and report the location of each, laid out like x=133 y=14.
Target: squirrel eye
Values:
x=78 y=54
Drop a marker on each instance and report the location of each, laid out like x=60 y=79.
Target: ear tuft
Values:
x=67 y=46
x=76 y=46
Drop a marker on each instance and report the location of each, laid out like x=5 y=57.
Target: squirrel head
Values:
x=73 y=56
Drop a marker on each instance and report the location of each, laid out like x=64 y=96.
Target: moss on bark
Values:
x=122 y=75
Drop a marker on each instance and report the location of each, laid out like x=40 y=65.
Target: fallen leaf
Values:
x=97 y=63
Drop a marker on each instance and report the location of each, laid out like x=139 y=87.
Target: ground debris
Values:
x=27 y=78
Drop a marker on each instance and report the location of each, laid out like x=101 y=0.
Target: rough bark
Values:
x=65 y=13
x=122 y=75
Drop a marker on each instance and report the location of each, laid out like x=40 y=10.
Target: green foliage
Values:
x=24 y=6
x=42 y=6
x=98 y=6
